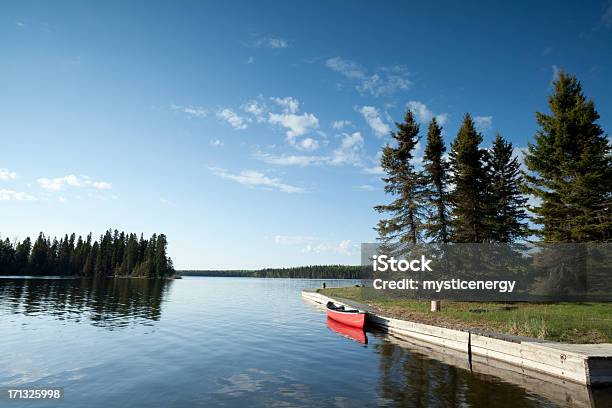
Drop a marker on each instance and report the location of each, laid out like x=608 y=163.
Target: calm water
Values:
x=218 y=342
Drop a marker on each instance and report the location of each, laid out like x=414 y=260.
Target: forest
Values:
x=114 y=254
x=558 y=189
x=305 y=272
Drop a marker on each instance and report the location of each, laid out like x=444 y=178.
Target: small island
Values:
x=114 y=254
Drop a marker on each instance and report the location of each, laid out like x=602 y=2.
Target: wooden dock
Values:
x=586 y=364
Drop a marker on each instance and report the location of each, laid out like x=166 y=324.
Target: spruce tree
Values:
x=39 y=255
x=22 y=256
x=570 y=168
x=470 y=197
x=435 y=167
x=506 y=199
x=405 y=183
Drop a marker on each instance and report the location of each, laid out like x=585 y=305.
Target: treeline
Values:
x=113 y=254
x=475 y=195
x=306 y=272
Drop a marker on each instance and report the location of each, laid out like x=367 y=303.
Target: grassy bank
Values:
x=563 y=322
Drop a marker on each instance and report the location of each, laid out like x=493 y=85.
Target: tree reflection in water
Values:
x=109 y=303
x=414 y=375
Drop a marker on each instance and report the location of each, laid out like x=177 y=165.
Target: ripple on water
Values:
x=215 y=342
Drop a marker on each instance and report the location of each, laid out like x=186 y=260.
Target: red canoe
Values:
x=350 y=317
x=349 y=332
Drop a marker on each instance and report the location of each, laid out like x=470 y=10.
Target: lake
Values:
x=206 y=342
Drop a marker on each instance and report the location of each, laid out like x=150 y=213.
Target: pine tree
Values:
x=470 y=197
x=130 y=256
x=92 y=258
x=22 y=256
x=39 y=257
x=570 y=168
x=7 y=257
x=161 y=259
x=404 y=183
x=437 y=227
x=506 y=200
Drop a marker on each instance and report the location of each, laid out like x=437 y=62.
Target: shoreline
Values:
x=586 y=364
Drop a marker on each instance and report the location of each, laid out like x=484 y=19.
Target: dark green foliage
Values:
x=404 y=183
x=570 y=169
x=115 y=254
x=304 y=272
x=437 y=227
x=470 y=197
x=507 y=203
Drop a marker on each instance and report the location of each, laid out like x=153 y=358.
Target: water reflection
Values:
x=413 y=375
x=109 y=303
x=349 y=332
x=232 y=342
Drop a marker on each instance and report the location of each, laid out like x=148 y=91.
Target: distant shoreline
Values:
x=301 y=272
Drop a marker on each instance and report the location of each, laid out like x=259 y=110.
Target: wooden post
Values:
x=435 y=306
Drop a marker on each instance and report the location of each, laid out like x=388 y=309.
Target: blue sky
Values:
x=248 y=132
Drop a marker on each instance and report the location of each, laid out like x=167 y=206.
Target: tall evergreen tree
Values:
x=39 y=258
x=92 y=258
x=437 y=227
x=22 y=256
x=570 y=168
x=507 y=202
x=7 y=256
x=405 y=183
x=470 y=197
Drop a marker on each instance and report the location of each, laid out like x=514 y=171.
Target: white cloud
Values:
x=101 y=185
x=6 y=174
x=12 y=195
x=59 y=183
x=277 y=43
x=377 y=168
x=386 y=81
x=417 y=156
x=297 y=125
x=339 y=124
x=374 y=170
x=257 y=109
x=250 y=60
x=254 y=108
x=312 y=244
x=373 y=119
x=196 y=111
x=308 y=144
x=349 y=151
x=291 y=160
x=347 y=68
x=377 y=85
x=216 y=143
x=20 y=24
x=271 y=42
x=289 y=104
x=483 y=123
x=254 y=178
x=236 y=121
x=424 y=114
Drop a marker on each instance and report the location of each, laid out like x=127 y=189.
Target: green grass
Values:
x=563 y=322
